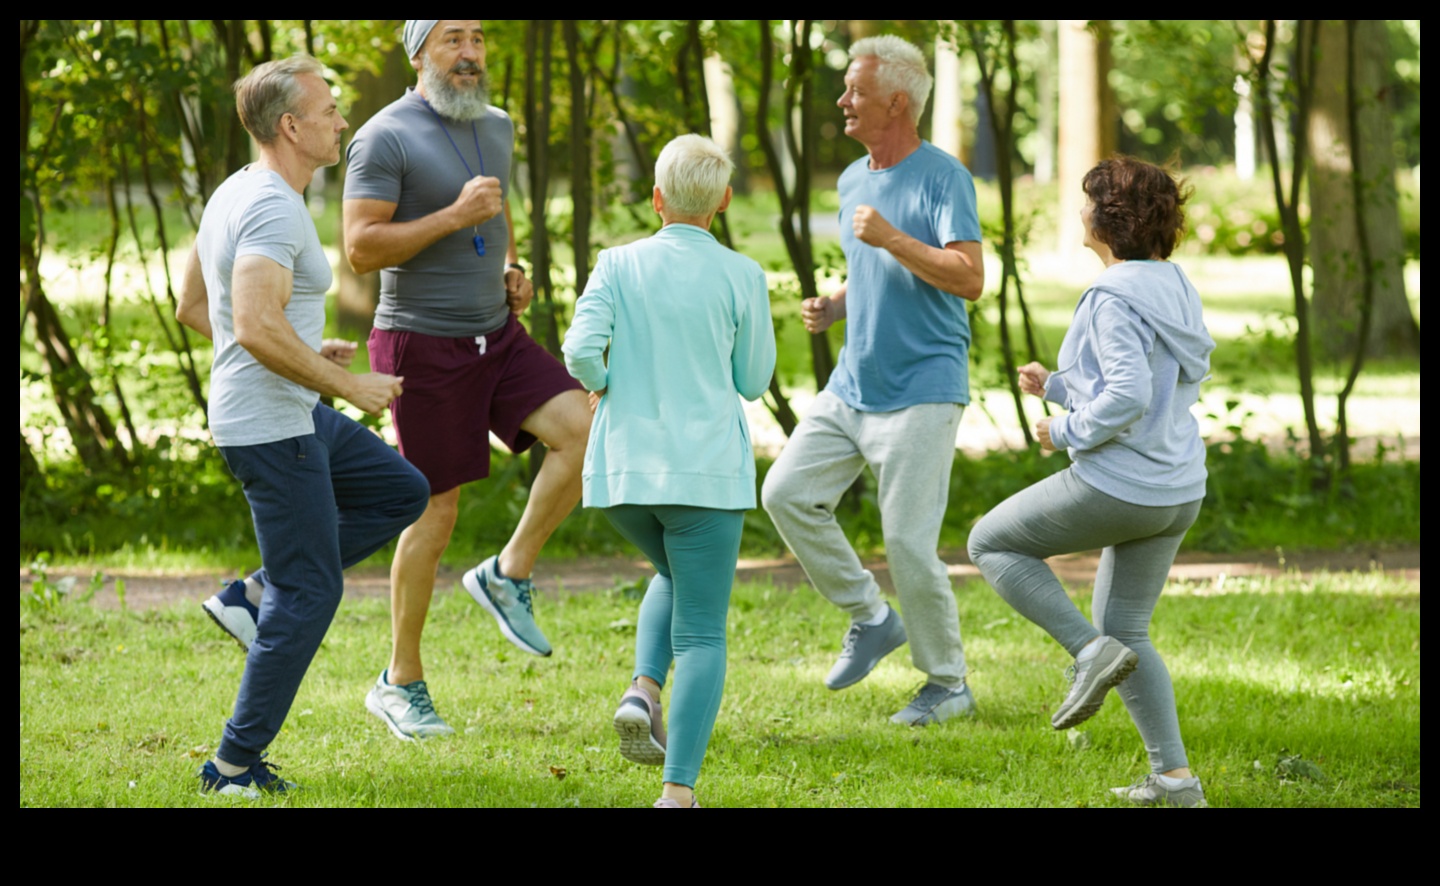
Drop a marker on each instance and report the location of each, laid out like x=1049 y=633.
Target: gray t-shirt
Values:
x=402 y=156
x=256 y=213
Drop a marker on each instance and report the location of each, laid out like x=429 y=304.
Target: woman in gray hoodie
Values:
x=1130 y=368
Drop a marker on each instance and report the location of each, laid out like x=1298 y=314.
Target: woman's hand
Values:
x=1032 y=379
x=595 y=399
x=1042 y=431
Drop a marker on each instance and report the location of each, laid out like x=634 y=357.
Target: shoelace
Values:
x=852 y=636
x=264 y=772
x=522 y=593
x=929 y=696
x=420 y=697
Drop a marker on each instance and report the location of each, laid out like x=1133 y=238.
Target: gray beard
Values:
x=452 y=102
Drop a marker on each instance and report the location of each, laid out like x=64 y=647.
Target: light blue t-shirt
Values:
x=254 y=212
x=906 y=342
x=687 y=324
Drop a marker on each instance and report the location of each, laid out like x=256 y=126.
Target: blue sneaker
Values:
x=258 y=778
x=508 y=599
x=234 y=613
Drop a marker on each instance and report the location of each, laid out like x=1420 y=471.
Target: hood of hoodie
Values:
x=1165 y=299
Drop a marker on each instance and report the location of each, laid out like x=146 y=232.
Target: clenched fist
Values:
x=871 y=227
x=480 y=200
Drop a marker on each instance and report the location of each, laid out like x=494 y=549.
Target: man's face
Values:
x=456 y=49
x=318 y=123
x=452 y=70
x=867 y=110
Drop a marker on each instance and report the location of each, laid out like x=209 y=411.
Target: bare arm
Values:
x=518 y=291
x=260 y=290
x=194 y=306
x=373 y=240
x=957 y=268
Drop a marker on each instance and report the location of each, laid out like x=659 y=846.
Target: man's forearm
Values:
x=372 y=245
x=958 y=271
x=272 y=341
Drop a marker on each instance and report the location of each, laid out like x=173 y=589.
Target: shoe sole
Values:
x=471 y=581
x=637 y=743
x=1119 y=669
x=835 y=687
x=219 y=619
x=375 y=708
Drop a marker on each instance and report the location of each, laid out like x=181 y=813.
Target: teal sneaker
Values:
x=407 y=709
x=1099 y=668
x=508 y=599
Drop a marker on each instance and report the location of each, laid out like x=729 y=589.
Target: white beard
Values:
x=452 y=102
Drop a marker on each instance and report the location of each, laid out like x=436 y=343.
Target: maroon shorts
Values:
x=455 y=396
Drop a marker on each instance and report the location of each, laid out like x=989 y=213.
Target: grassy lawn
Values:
x=1292 y=692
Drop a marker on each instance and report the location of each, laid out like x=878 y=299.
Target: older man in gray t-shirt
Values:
x=425 y=191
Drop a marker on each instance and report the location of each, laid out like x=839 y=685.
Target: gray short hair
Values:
x=692 y=174
x=269 y=92
x=902 y=69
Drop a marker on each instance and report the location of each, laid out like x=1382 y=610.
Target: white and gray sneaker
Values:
x=407 y=709
x=862 y=649
x=935 y=703
x=1160 y=790
x=1098 y=669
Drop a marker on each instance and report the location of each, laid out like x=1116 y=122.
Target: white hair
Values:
x=692 y=174
x=901 y=69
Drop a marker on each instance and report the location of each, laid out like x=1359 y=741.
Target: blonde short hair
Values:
x=902 y=69
x=692 y=174
x=270 y=91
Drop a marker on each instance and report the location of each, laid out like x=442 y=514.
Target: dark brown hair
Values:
x=1139 y=208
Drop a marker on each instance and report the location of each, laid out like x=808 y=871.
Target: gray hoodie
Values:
x=1129 y=370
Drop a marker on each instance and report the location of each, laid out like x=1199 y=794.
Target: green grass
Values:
x=120 y=708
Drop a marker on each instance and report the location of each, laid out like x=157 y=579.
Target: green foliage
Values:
x=1294 y=691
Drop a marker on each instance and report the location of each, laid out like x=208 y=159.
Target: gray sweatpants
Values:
x=1063 y=514
x=911 y=451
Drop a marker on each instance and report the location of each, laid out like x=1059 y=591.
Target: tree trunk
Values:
x=1334 y=253
x=947 y=121
x=1088 y=121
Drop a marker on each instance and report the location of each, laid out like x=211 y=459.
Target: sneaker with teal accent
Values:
x=406 y=709
x=250 y=784
x=508 y=599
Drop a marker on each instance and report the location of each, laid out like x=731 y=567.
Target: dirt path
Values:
x=146 y=591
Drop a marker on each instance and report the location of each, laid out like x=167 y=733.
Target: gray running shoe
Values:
x=1091 y=679
x=863 y=648
x=935 y=703
x=641 y=727
x=407 y=709
x=1150 y=791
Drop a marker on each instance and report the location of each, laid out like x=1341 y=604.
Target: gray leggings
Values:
x=1063 y=514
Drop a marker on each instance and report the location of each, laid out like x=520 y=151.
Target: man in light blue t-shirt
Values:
x=911 y=238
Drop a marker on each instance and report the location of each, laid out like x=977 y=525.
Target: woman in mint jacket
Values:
x=687 y=325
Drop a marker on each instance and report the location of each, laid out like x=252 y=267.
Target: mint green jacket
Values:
x=687 y=324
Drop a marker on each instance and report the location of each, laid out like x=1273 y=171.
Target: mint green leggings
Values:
x=682 y=617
